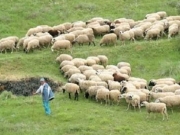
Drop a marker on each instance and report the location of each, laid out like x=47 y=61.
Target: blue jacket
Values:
x=45 y=93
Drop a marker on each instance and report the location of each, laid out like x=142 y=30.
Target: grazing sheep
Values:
x=32 y=45
x=177 y=92
x=155 y=95
x=168 y=88
x=74 y=78
x=103 y=60
x=54 y=33
x=63 y=57
x=156 y=108
x=113 y=85
x=102 y=95
x=127 y=35
x=114 y=96
x=79 y=62
x=168 y=81
x=152 y=34
x=108 y=39
x=7 y=44
x=170 y=101
x=45 y=41
x=83 y=68
x=66 y=62
x=71 y=88
x=122 y=64
x=71 y=72
x=83 y=38
x=118 y=77
x=100 y=30
x=92 y=91
x=85 y=84
x=105 y=76
x=67 y=67
x=89 y=72
x=61 y=44
x=173 y=30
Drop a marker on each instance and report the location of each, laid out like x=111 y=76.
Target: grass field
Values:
x=148 y=59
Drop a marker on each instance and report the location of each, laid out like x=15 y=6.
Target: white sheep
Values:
x=100 y=30
x=97 y=67
x=113 y=85
x=71 y=88
x=7 y=44
x=155 y=95
x=156 y=108
x=102 y=95
x=114 y=96
x=173 y=30
x=103 y=60
x=83 y=68
x=108 y=39
x=34 y=43
x=152 y=33
x=92 y=91
x=79 y=62
x=74 y=78
x=65 y=62
x=89 y=72
x=63 y=57
x=67 y=67
x=170 y=101
x=83 y=38
x=177 y=92
x=71 y=71
x=127 y=35
x=61 y=44
x=168 y=88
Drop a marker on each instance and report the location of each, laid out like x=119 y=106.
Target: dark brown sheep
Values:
x=118 y=77
x=54 y=33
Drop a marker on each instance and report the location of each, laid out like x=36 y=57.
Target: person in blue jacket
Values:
x=45 y=89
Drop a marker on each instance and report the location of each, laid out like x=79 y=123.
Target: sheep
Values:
x=13 y=38
x=138 y=33
x=79 y=62
x=94 y=58
x=61 y=44
x=156 y=108
x=168 y=88
x=162 y=14
x=67 y=67
x=20 y=42
x=92 y=91
x=105 y=76
x=95 y=78
x=53 y=33
x=63 y=57
x=152 y=33
x=34 y=30
x=122 y=64
x=7 y=44
x=108 y=39
x=103 y=60
x=168 y=81
x=71 y=88
x=100 y=30
x=114 y=96
x=90 y=62
x=79 y=24
x=74 y=78
x=89 y=72
x=71 y=72
x=45 y=40
x=27 y=40
x=118 y=77
x=85 y=84
x=155 y=95
x=102 y=94
x=143 y=96
x=97 y=67
x=60 y=28
x=83 y=38
x=83 y=68
x=170 y=101
x=173 y=30
x=127 y=35
x=134 y=100
x=32 y=45
x=113 y=85
x=66 y=62
x=177 y=92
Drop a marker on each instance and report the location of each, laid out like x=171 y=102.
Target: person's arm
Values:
x=38 y=90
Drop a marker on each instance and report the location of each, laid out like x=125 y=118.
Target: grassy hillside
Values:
x=148 y=59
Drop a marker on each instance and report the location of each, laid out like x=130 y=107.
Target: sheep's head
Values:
x=123 y=90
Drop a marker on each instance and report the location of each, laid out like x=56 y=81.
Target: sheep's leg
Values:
x=128 y=107
x=162 y=115
x=93 y=43
x=76 y=96
x=69 y=95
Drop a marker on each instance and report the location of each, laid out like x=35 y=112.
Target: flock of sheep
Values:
x=65 y=35
x=94 y=78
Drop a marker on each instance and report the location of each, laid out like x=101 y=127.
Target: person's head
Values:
x=42 y=80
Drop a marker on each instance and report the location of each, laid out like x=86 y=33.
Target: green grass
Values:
x=148 y=59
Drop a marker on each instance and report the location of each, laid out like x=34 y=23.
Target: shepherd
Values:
x=47 y=95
